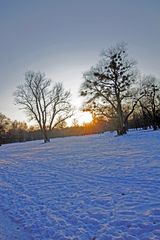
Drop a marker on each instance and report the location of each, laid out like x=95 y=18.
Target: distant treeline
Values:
x=14 y=131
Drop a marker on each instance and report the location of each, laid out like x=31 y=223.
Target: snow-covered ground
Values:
x=81 y=188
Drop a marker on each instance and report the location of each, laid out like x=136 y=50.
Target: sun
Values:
x=84 y=117
x=80 y=118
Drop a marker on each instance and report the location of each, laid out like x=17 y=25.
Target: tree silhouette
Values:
x=4 y=125
x=48 y=106
x=109 y=87
x=150 y=103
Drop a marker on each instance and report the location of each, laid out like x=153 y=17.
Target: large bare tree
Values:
x=47 y=105
x=109 y=86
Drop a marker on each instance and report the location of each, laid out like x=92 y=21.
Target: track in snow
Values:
x=78 y=188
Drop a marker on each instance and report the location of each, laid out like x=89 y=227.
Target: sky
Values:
x=64 y=38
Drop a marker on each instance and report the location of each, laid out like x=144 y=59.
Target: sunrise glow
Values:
x=84 y=117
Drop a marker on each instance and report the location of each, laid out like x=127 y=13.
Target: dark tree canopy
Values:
x=47 y=105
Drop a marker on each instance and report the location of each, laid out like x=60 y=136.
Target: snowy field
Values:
x=97 y=187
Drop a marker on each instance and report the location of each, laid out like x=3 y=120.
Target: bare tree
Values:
x=4 y=126
x=109 y=87
x=150 y=103
x=48 y=106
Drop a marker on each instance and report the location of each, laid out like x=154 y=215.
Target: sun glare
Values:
x=84 y=117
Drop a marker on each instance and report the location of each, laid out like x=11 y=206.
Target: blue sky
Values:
x=63 y=38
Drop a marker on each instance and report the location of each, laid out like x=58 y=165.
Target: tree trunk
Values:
x=45 y=136
x=154 y=118
x=154 y=125
x=121 y=124
x=121 y=130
